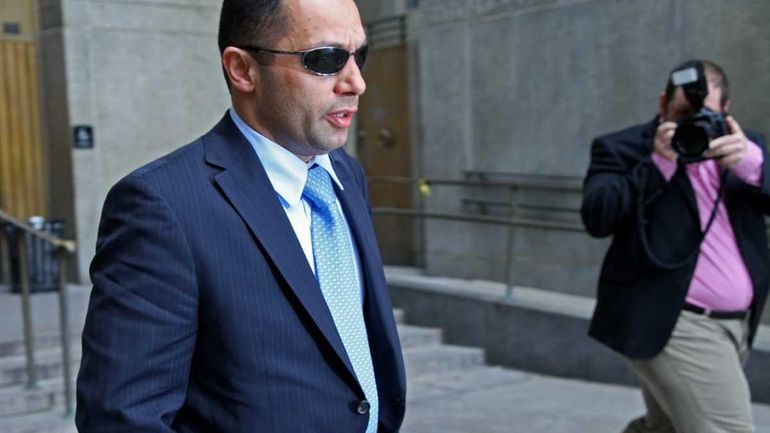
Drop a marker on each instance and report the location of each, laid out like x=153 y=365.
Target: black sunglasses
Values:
x=321 y=60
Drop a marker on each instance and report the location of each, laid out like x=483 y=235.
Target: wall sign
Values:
x=11 y=28
x=83 y=136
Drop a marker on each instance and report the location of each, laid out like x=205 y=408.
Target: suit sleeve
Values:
x=762 y=193
x=615 y=186
x=141 y=323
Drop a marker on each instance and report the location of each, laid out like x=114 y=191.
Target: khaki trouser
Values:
x=696 y=384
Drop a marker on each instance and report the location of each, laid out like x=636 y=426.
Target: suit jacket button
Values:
x=363 y=407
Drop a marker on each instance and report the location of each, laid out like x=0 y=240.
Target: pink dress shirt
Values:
x=721 y=281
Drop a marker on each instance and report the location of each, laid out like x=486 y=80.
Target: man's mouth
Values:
x=341 y=118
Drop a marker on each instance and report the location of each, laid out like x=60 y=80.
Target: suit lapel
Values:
x=380 y=321
x=245 y=184
x=680 y=178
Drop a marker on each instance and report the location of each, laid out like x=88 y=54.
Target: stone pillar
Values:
x=145 y=75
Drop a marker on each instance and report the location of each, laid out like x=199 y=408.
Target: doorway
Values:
x=22 y=168
x=384 y=148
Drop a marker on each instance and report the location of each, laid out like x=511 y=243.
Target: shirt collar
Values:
x=287 y=173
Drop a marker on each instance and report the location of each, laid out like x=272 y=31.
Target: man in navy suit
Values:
x=686 y=278
x=228 y=297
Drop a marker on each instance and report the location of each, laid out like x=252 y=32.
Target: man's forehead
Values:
x=323 y=22
x=715 y=90
x=318 y=13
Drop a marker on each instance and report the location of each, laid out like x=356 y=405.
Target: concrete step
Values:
x=42 y=342
x=507 y=327
x=413 y=336
x=50 y=422
x=13 y=369
x=399 y=315
x=429 y=360
x=44 y=308
x=20 y=399
x=467 y=381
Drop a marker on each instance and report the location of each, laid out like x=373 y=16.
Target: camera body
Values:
x=694 y=133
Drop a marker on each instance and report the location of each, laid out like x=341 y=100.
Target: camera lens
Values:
x=690 y=140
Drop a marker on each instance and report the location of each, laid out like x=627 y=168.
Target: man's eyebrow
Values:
x=336 y=44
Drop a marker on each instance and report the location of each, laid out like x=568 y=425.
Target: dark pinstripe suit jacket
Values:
x=205 y=316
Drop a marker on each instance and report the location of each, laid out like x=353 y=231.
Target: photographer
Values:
x=686 y=277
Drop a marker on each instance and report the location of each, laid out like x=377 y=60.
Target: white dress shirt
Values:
x=288 y=174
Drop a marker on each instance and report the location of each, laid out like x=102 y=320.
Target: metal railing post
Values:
x=513 y=202
x=62 y=248
x=5 y=252
x=29 y=337
x=423 y=191
x=65 y=332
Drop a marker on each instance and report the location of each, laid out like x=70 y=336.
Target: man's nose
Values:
x=350 y=80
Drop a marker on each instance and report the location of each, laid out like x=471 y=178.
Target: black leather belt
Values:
x=715 y=314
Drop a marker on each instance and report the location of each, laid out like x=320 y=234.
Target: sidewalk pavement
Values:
x=479 y=400
x=496 y=400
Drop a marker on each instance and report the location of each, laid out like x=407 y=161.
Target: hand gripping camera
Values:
x=694 y=133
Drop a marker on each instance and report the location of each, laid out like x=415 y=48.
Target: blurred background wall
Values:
x=458 y=90
x=522 y=86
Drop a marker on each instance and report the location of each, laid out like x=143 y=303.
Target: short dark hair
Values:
x=249 y=22
x=714 y=74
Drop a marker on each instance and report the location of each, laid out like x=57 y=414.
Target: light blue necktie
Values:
x=335 y=269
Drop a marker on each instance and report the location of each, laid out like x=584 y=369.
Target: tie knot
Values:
x=318 y=187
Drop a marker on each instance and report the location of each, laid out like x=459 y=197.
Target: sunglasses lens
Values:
x=360 y=56
x=326 y=60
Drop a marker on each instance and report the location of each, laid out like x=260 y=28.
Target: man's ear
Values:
x=728 y=106
x=240 y=70
x=662 y=105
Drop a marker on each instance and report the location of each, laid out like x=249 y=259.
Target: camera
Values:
x=694 y=133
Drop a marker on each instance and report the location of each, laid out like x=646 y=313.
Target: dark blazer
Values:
x=205 y=316
x=638 y=302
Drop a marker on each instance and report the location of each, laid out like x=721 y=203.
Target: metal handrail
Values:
x=62 y=249
x=485 y=203
x=544 y=184
x=67 y=245
x=484 y=219
x=538 y=181
x=514 y=183
x=533 y=183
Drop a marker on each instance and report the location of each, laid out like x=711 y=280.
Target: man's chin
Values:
x=329 y=146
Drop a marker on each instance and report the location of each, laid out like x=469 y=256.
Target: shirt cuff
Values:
x=749 y=169
x=666 y=166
